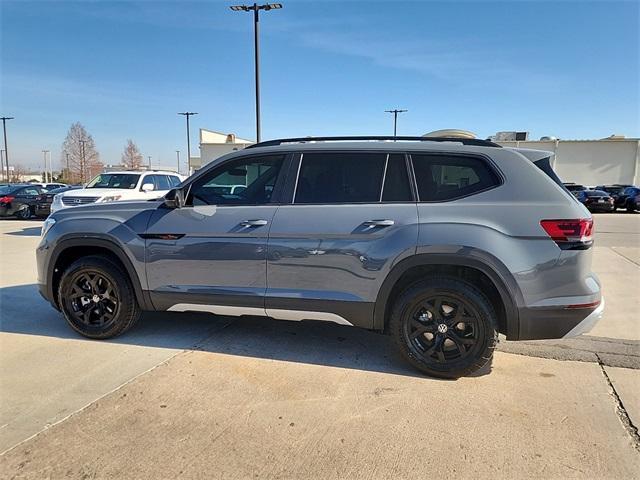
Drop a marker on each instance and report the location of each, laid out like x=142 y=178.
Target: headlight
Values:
x=110 y=198
x=46 y=226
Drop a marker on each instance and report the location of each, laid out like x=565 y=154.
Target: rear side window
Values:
x=340 y=177
x=174 y=181
x=396 y=181
x=443 y=177
x=162 y=182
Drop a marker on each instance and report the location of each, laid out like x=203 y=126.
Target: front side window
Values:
x=340 y=178
x=174 y=181
x=161 y=182
x=114 y=180
x=248 y=181
x=443 y=177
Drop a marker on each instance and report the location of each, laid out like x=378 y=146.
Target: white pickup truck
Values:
x=119 y=186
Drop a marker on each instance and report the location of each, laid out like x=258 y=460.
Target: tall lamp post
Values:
x=82 y=160
x=255 y=8
x=2 y=166
x=395 y=119
x=178 y=157
x=6 y=151
x=46 y=172
x=188 y=114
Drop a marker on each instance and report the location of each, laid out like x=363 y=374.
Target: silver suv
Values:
x=443 y=243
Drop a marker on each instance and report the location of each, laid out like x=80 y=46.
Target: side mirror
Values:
x=174 y=199
x=148 y=187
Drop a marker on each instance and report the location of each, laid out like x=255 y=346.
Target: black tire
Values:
x=97 y=281
x=24 y=214
x=466 y=341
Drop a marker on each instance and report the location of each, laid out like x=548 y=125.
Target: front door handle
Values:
x=254 y=223
x=379 y=223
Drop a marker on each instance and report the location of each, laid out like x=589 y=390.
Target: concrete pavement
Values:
x=259 y=398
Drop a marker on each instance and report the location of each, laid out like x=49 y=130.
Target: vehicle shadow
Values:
x=318 y=343
x=26 y=232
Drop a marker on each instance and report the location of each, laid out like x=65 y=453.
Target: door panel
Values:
x=218 y=259
x=330 y=258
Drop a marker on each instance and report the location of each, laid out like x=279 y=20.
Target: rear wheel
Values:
x=24 y=213
x=97 y=298
x=444 y=326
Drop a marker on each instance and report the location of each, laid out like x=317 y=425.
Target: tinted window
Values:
x=396 y=181
x=248 y=181
x=174 y=181
x=161 y=182
x=442 y=178
x=340 y=177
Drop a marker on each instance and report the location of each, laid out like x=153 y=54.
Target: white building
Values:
x=591 y=162
x=614 y=159
x=215 y=144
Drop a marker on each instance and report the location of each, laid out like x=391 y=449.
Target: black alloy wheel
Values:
x=444 y=326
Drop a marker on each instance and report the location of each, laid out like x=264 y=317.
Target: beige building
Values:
x=591 y=162
x=215 y=144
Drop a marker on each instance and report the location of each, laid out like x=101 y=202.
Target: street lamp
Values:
x=178 y=156
x=82 y=160
x=395 y=118
x=46 y=172
x=6 y=151
x=188 y=114
x=255 y=8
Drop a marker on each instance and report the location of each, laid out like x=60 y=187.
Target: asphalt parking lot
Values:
x=196 y=396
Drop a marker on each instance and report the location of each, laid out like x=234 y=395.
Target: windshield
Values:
x=114 y=180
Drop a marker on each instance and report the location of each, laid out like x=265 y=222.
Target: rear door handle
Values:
x=379 y=223
x=254 y=223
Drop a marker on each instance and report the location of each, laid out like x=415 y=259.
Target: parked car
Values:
x=19 y=200
x=596 y=200
x=574 y=187
x=115 y=186
x=393 y=236
x=44 y=201
x=629 y=199
x=613 y=190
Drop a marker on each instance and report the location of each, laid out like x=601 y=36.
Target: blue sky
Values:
x=124 y=69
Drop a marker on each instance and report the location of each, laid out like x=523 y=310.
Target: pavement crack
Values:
x=621 y=411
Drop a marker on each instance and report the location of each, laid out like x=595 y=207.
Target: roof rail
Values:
x=464 y=141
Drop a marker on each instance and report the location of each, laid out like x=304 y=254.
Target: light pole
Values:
x=188 y=114
x=178 y=156
x=395 y=119
x=82 y=160
x=68 y=174
x=255 y=8
x=2 y=166
x=6 y=151
x=46 y=172
x=149 y=157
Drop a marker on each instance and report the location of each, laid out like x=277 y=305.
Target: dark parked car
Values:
x=43 y=204
x=574 y=187
x=19 y=200
x=596 y=200
x=629 y=199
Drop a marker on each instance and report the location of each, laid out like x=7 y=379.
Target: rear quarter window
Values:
x=447 y=177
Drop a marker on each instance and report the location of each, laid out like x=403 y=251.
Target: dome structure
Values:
x=450 y=132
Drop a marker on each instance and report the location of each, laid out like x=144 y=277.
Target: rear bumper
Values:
x=558 y=322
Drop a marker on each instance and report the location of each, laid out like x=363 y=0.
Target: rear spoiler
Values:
x=542 y=160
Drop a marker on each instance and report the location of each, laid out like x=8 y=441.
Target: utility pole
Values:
x=46 y=172
x=149 y=157
x=68 y=174
x=82 y=161
x=188 y=114
x=395 y=119
x=178 y=156
x=6 y=151
x=255 y=8
x=2 y=166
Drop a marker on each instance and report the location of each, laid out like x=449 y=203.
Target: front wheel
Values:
x=97 y=298
x=444 y=327
x=24 y=214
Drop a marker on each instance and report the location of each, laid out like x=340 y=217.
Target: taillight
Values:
x=570 y=234
x=6 y=199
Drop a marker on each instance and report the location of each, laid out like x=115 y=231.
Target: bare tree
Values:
x=79 y=156
x=17 y=172
x=131 y=157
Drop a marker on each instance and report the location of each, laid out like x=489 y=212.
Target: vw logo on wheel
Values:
x=442 y=328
